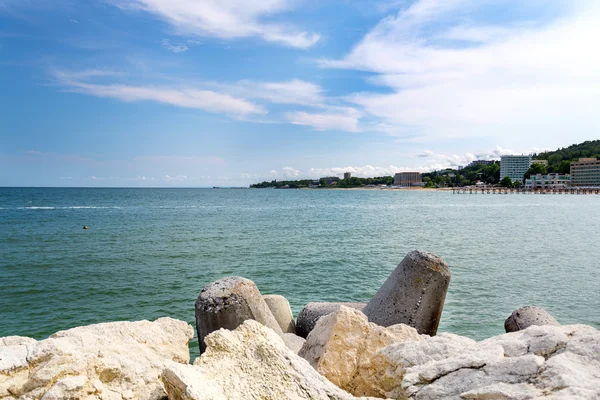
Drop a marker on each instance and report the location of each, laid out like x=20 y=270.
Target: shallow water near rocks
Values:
x=149 y=252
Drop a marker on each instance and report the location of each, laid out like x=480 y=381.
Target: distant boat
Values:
x=216 y=187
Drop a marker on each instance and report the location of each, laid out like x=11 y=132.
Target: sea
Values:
x=148 y=253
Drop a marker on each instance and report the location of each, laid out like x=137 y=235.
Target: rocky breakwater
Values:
x=388 y=348
x=108 y=361
x=363 y=359
x=250 y=351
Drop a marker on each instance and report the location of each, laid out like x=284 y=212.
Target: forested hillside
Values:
x=560 y=160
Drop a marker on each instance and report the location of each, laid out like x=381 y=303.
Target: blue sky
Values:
x=227 y=93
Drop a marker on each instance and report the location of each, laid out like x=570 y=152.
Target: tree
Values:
x=534 y=170
x=506 y=182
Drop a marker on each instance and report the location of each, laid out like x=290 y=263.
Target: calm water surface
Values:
x=148 y=252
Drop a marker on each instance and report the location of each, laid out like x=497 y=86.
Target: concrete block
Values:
x=310 y=314
x=227 y=303
x=414 y=294
x=524 y=317
x=281 y=310
x=293 y=342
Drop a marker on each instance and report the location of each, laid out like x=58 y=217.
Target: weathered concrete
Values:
x=227 y=303
x=281 y=310
x=524 y=317
x=310 y=314
x=414 y=294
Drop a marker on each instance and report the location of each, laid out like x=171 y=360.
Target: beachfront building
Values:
x=347 y=175
x=541 y=162
x=585 y=172
x=479 y=162
x=549 y=181
x=514 y=166
x=407 y=179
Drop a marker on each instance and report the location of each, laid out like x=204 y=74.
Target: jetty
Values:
x=500 y=190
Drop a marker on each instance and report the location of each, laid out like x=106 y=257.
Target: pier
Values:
x=499 y=190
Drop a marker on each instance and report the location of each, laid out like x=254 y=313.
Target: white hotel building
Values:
x=514 y=167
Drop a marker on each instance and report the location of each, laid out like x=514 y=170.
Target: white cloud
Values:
x=225 y=19
x=180 y=48
x=521 y=81
x=73 y=21
x=207 y=100
x=426 y=153
x=343 y=119
x=288 y=92
x=290 y=172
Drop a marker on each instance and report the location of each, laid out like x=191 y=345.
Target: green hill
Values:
x=560 y=160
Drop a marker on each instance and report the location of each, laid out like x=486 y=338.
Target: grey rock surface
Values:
x=227 y=303
x=293 y=342
x=524 y=317
x=310 y=314
x=281 y=310
x=553 y=362
x=414 y=294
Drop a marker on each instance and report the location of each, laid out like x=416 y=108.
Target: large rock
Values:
x=251 y=362
x=524 y=317
x=310 y=314
x=541 y=361
x=281 y=310
x=342 y=345
x=116 y=360
x=227 y=303
x=414 y=294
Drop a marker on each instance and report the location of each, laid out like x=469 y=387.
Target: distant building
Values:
x=585 y=172
x=330 y=179
x=347 y=175
x=514 y=166
x=549 y=181
x=479 y=162
x=541 y=162
x=407 y=179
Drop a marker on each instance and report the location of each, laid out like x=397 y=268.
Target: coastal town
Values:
x=563 y=169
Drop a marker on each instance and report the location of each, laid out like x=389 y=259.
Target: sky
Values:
x=201 y=93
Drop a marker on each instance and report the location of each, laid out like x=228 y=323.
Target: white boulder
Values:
x=120 y=360
x=251 y=362
x=538 y=362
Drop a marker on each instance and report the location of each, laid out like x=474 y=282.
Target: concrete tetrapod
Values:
x=227 y=303
x=524 y=317
x=310 y=314
x=281 y=310
x=414 y=294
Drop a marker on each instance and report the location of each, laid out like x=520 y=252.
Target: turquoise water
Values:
x=148 y=252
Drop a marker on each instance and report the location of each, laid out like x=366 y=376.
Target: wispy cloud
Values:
x=180 y=48
x=450 y=79
x=344 y=120
x=225 y=19
x=294 y=91
x=207 y=100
